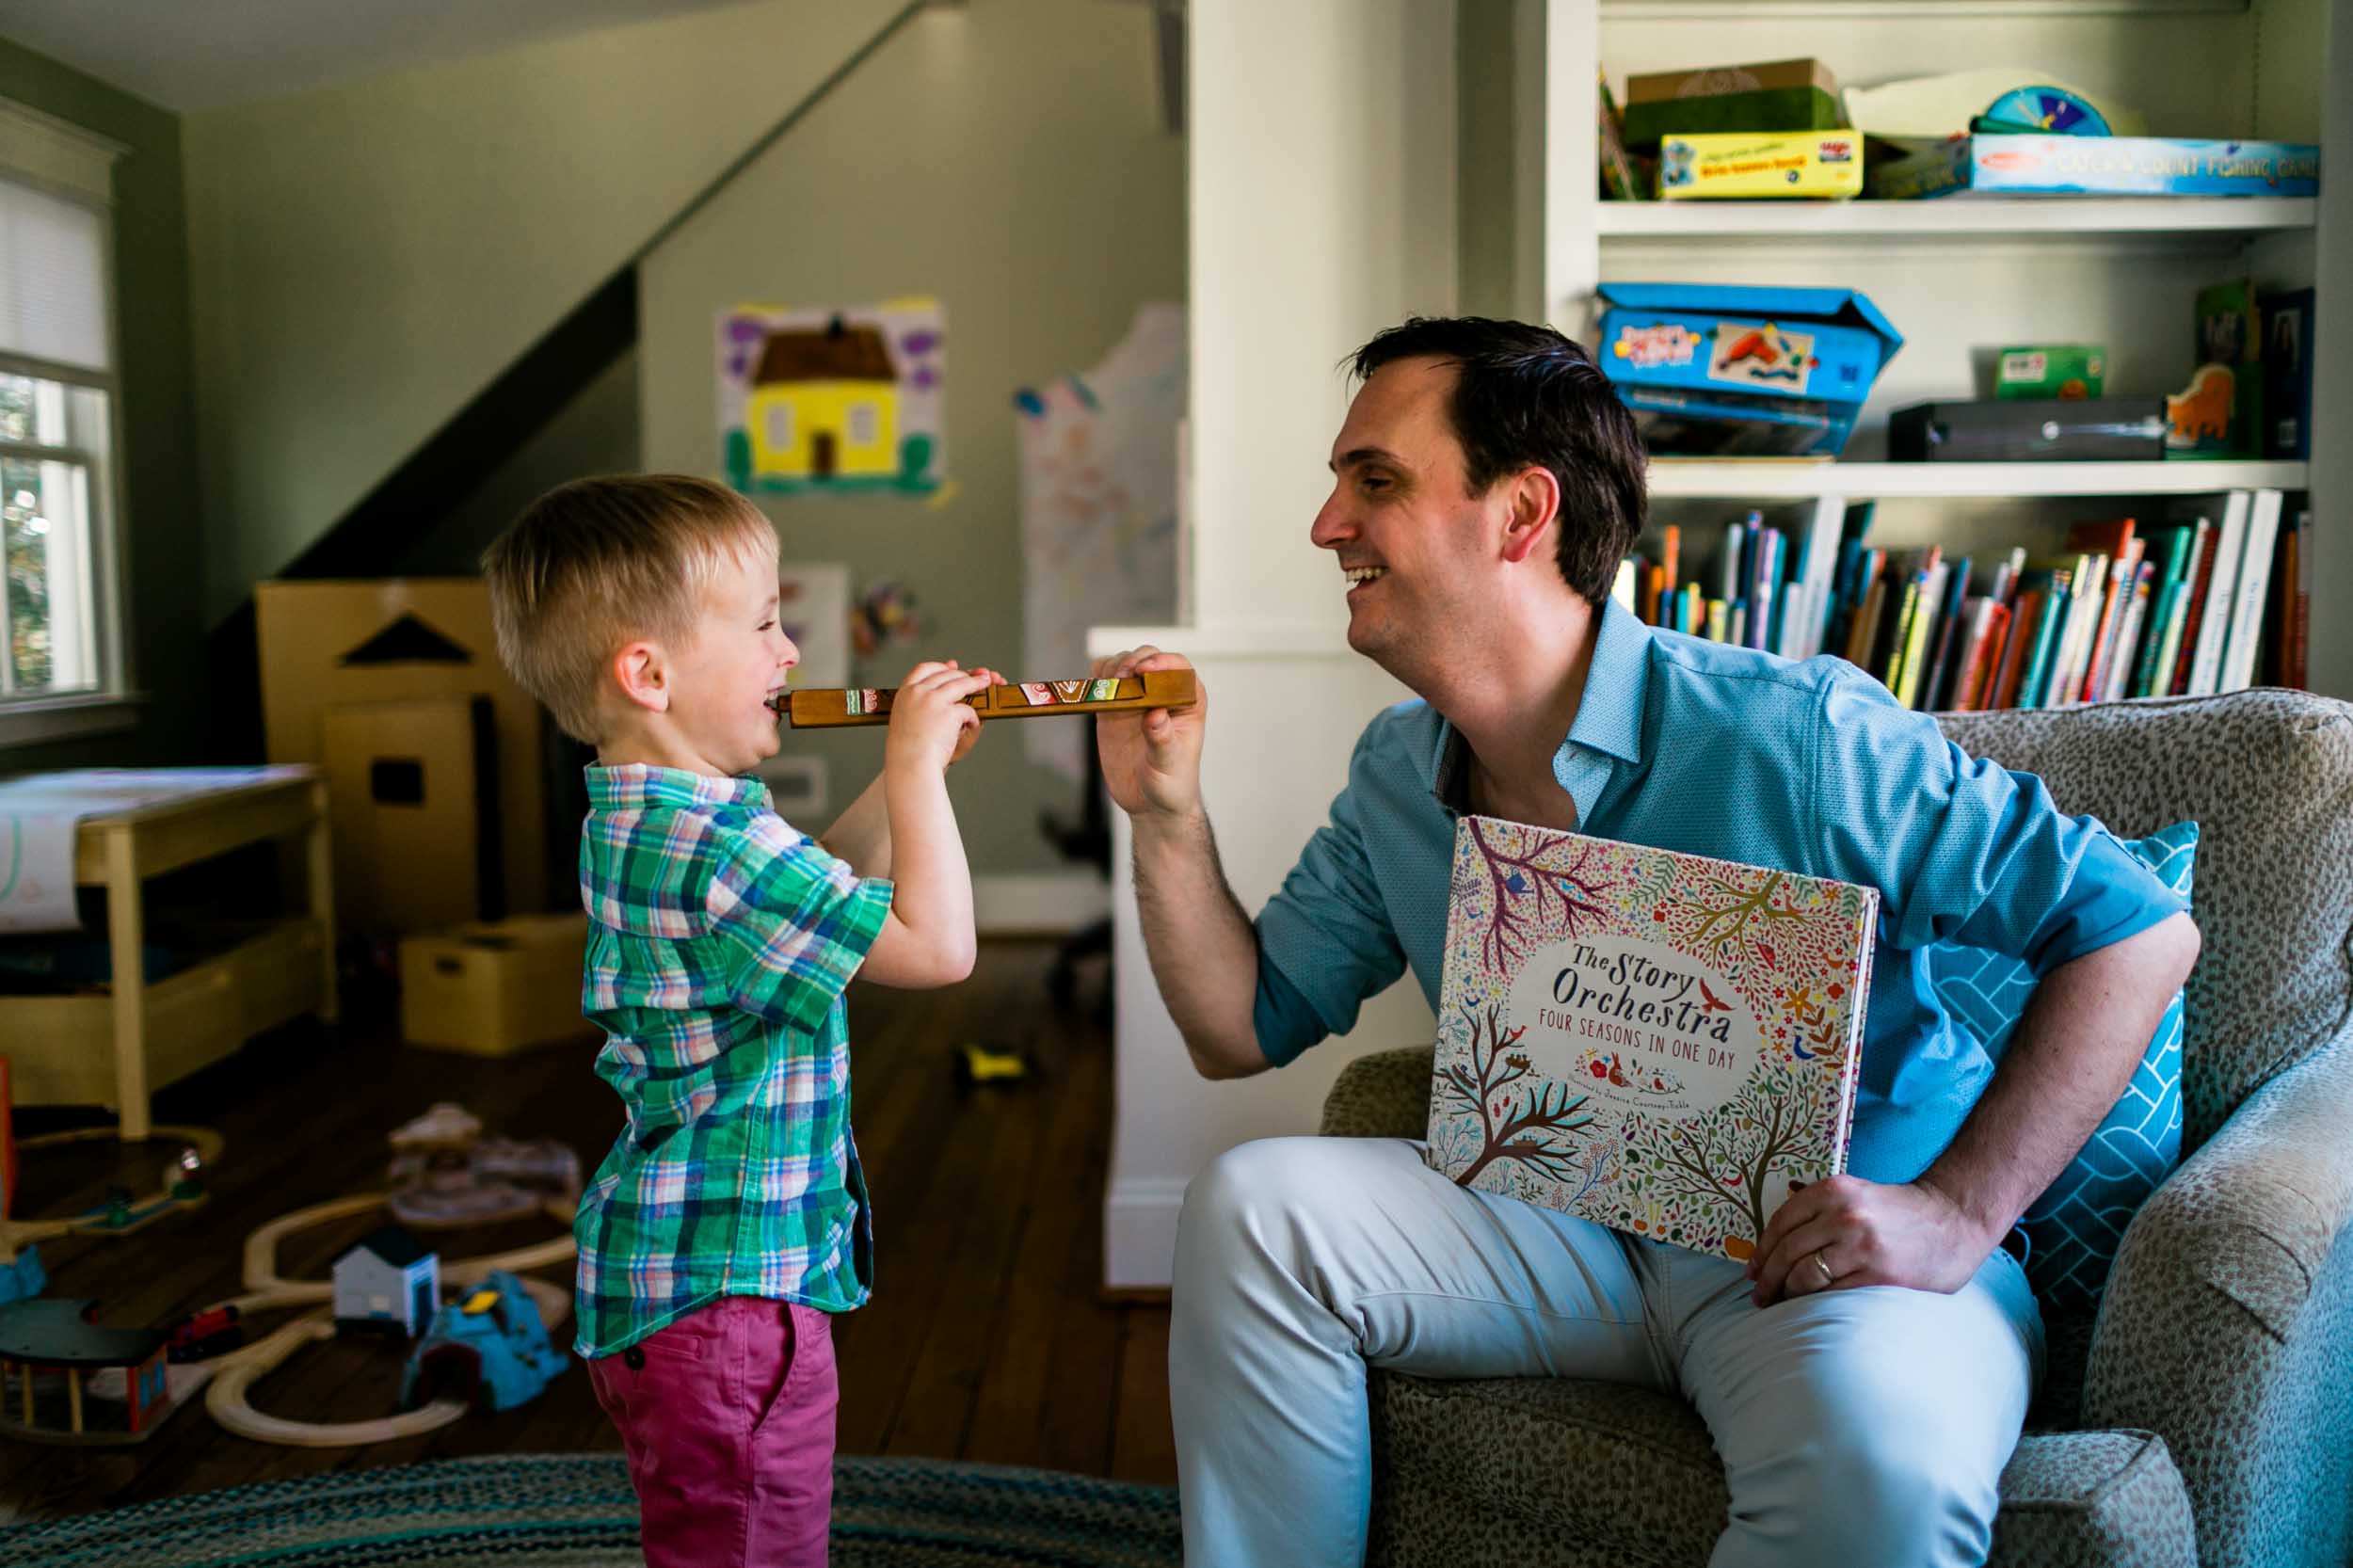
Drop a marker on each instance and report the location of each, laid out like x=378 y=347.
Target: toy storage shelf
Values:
x=2074 y=216
x=1787 y=479
x=62 y=1049
x=116 y=1046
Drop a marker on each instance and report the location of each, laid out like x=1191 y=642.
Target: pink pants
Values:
x=727 y=1416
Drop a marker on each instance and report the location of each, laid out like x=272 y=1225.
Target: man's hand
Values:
x=1152 y=760
x=1845 y=1232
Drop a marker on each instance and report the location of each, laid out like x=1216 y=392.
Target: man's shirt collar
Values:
x=1609 y=720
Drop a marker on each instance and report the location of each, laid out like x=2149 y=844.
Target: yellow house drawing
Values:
x=824 y=405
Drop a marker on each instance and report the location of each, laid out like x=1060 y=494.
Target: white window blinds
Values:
x=53 y=278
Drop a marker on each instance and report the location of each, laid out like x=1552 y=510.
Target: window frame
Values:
x=62 y=160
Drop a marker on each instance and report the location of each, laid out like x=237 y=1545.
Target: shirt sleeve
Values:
x=795 y=922
x=1962 y=850
x=1325 y=942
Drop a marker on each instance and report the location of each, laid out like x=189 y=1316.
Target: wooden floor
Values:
x=985 y=1340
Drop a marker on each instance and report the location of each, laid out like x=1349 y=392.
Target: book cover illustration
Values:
x=1661 y=1043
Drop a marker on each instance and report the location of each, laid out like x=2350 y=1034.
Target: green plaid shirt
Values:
x=719 y=942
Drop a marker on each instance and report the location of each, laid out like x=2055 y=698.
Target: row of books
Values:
x=2211 y=601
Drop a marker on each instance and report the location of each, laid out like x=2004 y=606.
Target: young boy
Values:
x=730 y=1217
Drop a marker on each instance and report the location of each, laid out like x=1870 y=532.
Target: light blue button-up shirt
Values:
x=1691 y=745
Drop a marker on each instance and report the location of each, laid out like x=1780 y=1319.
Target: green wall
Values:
x=1006 y=158
x=166 y=544
x=367 y=257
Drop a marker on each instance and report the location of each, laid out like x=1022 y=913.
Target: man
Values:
x=1865 y=1375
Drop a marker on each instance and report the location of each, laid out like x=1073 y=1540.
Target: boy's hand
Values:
x=971 y=735
x=930 y=726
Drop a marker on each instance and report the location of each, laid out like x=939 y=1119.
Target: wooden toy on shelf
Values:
x=832 y=707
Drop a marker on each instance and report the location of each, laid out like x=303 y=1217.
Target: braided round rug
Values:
x=576 y=1511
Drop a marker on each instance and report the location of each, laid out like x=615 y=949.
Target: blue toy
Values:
x=489 y=1347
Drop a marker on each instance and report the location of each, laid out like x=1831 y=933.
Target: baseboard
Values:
x=1038 y=903
x=1140 y=1234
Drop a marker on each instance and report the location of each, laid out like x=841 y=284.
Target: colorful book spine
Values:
x=2254 y=592
x=2299 y=667
x=2178 y=543
x=2034 y=688
x=2123 y=571
x=2183 y=646
x=2128 y=636
x=2214 y=627
x=2024 y=622
x=1986 y=663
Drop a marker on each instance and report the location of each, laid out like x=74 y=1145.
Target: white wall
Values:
x=1322 y=177
x=1286 y=712
x=1321 y=173
x=1008 y=159
x=365 y=258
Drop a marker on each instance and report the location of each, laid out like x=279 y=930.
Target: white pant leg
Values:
x=1866 y=1426
x=1300 y=1261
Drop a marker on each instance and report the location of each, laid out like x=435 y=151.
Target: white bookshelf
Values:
x=1794 y=480
x=1961 y=215
x=1961 y=276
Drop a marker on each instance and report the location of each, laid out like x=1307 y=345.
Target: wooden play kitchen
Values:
x=115 y=1048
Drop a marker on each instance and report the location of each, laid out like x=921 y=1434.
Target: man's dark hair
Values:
x=1525 y=396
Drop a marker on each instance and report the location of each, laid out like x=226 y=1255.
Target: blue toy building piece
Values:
x=488 y=1346
x=25 y=1278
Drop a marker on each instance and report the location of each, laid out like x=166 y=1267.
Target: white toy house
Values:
x=386 y=1280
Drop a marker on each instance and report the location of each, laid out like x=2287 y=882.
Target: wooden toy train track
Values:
x=833 y=706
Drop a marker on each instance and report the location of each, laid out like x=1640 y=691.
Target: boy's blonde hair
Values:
x=597 y=563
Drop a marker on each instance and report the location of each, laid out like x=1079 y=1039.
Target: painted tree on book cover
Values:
x=1516 y=1122
x=1511 y=873
x=1728 y=1155
x=1747 y=918
x=1651 y=1040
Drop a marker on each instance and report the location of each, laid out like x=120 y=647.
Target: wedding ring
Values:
x=1823 y=1268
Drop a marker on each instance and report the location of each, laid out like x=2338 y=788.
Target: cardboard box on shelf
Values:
x=495 y=989
x=1778 y=95
x=1719 y=370
x=2060 y=371
x=1760 y=163
x=1997 y=164
x=327 y=644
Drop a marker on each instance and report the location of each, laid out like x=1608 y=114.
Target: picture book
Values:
x=1661 y=1043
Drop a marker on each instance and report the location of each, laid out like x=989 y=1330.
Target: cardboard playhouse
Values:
x=433 y=755
x=439 y=780
x=1720 y=369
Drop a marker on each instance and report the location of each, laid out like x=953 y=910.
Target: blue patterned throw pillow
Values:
x=2074 y=1230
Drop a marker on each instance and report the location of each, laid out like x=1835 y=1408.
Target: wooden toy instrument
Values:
x=831 y=707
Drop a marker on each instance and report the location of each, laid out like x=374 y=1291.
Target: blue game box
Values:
x=1724 y=370
x=2099 y=166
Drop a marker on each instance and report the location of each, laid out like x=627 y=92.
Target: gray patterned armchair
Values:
x=2206 y=1415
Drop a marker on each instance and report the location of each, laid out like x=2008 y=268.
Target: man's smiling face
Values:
x=1411 y=543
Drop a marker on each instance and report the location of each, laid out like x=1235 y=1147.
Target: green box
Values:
x=2066 y=371
x=1793 y=108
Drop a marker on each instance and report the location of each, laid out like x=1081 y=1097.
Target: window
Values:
x=865 y=425
x=779 y=425
x=59 y=394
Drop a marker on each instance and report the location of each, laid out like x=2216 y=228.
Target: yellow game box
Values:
x=1752 y=163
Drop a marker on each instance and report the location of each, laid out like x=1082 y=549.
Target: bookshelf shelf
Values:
x=1784 y=480
x=1900 y=220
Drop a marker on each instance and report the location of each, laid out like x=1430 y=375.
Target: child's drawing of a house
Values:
x=824 y=405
